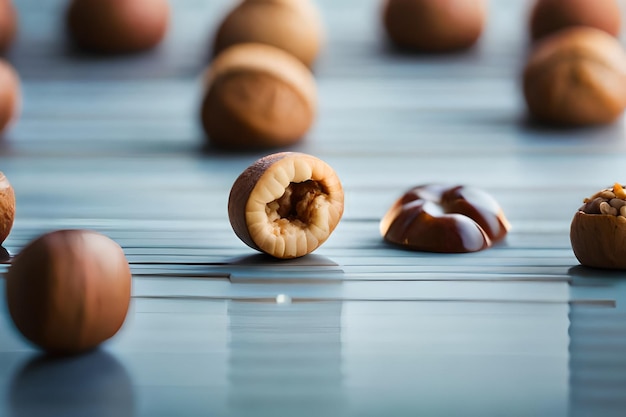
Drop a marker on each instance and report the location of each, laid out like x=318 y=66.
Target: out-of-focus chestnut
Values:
x=117 y=26
x=10 y=95
x=434 y=25
x=8 y=24
x=257 y=96
x=549 y=16
x=598 y=229
x=69 y=290
x=576 y=77
x=437 y=218
x=291 y=25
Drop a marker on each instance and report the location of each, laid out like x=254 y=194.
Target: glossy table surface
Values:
x=359 y=328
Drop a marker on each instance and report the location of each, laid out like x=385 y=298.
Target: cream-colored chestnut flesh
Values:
x=286 y=204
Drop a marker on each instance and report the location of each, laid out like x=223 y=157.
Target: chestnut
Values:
x=576 y=77
x=257 y=96
x=550 y=16
x=598 y=229
x=10 y=95
x=69 y=290
x=286 y=204
x=439 y=218
x=8 y=24
x=117 y=26
x=7 y=207
x=291 y=25
x=434 y=25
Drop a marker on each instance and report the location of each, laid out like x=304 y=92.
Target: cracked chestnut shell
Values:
x=69 y=290
x=286 y=204
x=291 y=25
x=10 y=95
x=257 y=97
x=434 y=25
x=117 y=26
x=550 y=16
x=438 y=218
x=576 y=77
x=8 y=24
x=7 y=207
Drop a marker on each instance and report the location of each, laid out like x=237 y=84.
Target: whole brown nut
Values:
x=286 y=204
x=598 y=230
x=549 y=16
x=8 y=24
x=117 y=26
x=10 y=95
x=69 y=290
x=576 y=77
x=434 y=25
x=7 y=207
x=291 y=25
x=257 y=96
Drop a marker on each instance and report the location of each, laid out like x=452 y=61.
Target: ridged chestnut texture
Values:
x=434 y=25
x=291 y=25
x=118 y=26
x=438 y=218
x=7 y=207
x=550 y=16
x=257 y=97
x=598 y=230
x=10 y=95
x=8 y=24
x=576 y=77
x=286 y=204
x=69 y=290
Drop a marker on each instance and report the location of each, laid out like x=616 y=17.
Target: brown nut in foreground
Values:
x=434 y=25
x=257 y=97
x=69 y=290
x=10 y=95
x=576 y=77
x=291 y=25
x=7 y=207
x=8 y=24
x=598 y=229
x=286 y=204
x=550 y=16
x=437 y=218
x=117 y=26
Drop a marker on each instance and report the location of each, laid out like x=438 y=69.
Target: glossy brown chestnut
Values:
x=291 y=25
x=550 y=16
x=257 y=97
x=437 y=218
x=117 y=26
x=10 y=95
x=7 y=207
x=434 y=25
x=8 y=24
x=576 y=77
x=286 y=204
x=69 y=290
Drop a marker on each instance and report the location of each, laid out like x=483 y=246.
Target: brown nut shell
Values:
x=10 y=95
x=437 y=218
x=434 y=25
x=117 y=26
x=7 y=207
x=257 y=97
x=599 y=240
x=69 y=290
x=550 y=16
x=8 y=24
x=291 y=25
x=576 y=77
x=286 y=204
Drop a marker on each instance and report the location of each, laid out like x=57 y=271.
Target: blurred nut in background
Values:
x=576 y=77
x=549 y=16
x=257 y=96
x=291 y=25
x=117 y=26
x=434 y=25
x=7 y=207
x=69 y=290
x=10 y=95
x=8 y=24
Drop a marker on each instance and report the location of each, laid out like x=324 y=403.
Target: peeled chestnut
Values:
x=8 y=24
x=291 y=25
x=550 y=16
x=9 y=95
x=257 y=96
x=286 y=204
x=69 y=290
x=7 y=207
x=438 y=218
x=598 y=229
x=576 y=77
x=434 y=25
x=117 y=26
